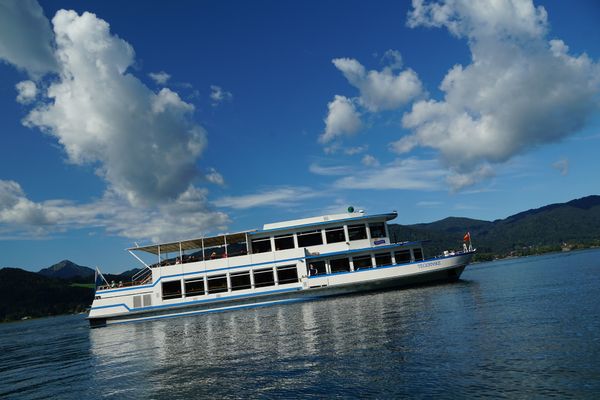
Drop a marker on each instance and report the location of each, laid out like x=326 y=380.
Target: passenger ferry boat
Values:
x=283 y=262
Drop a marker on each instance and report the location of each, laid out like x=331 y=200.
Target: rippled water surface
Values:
x=521 y=328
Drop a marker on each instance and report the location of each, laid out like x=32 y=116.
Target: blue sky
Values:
x=145 y=121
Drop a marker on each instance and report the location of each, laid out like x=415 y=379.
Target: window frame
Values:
x=259 y=241
x=191 y=281
x=380 y=255
x=222 y=289
x=235 y=275
x=353 y=228
x=284 y=268
x=360 y=258
x=312 y=233
x=335 y=229
x=338 y=270
x=289 y=236
x=173 y=295
x=383 y=230
x=260 y=272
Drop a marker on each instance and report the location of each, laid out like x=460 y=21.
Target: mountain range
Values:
x=551 y=227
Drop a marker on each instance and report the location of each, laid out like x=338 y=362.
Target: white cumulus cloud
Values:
x=218 y=95
x=213 y=176
x=27 y=92
x=342 y=119
x=188 y=215
x=160 y=78
x=145 y=144
x=385 y=89
x=26 y=38
x=519 y=91
x=369 y=161
x=17 y=209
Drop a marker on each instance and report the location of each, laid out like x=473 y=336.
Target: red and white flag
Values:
x=467 y=237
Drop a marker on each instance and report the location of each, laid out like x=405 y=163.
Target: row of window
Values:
x=314 y=237
x=264 y=277
x=230 y=282
x=357 y=263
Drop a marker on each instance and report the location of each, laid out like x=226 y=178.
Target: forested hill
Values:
x=28 y=294
x=67 y=269
x=574 y=223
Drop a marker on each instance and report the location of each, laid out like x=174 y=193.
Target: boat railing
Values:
x=142 y=276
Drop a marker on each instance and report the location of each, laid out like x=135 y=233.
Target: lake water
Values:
x=527 y=327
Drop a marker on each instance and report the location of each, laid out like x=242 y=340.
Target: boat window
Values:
x=339 y=265
x=418 y=254
x=383 y=259
x=377 y=230
x=194 y=287
x=362 y=262
x=240 y=280
x=284 y=242
x=310 y=238
x=171 y=290
x=262 y=245
x=264 y=277
x=137 y=301
x=335 y=235
x=318 y=268
x=287 y=274
x=357 y=232
x=217 y=284
x=402 y=256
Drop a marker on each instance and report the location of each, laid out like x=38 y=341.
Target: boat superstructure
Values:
x=283 y=262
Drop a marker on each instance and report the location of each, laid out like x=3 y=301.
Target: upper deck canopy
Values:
x=229 y=238
x=193 y=244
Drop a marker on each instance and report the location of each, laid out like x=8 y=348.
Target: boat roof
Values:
x=191 y=244
x=229 y=238
x=323 y=220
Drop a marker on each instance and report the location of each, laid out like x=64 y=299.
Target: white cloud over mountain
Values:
x=519 y=91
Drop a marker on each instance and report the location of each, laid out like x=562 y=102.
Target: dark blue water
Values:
x=521 y=328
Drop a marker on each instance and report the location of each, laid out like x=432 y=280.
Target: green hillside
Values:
x=576 y=223
x=28 y=294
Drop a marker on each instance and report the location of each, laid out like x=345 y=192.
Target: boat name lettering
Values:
x=430 y=264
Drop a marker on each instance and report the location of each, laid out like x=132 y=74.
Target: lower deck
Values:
x=259 y=287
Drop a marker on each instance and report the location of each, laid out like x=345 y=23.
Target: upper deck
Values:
x=276 y=241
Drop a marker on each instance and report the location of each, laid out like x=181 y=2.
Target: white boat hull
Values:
x=440 y=269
